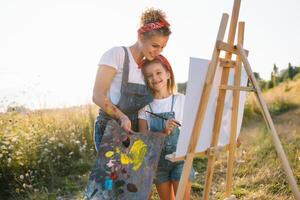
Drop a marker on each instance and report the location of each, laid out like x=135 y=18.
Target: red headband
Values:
x=153 y=26
x=161 y=58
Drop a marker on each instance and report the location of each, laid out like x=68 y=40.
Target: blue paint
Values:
x=108 y=183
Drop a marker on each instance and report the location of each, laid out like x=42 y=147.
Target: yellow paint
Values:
x=125 y=160
x=136 y=155
x=138 y=152
x=109 y=154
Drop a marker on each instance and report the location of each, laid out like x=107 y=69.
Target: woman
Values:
x=119 y=87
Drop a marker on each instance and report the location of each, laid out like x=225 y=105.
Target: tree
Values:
x=291 y=71
x=275 y=76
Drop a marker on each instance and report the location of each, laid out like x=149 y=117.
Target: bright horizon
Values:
x=50 y=49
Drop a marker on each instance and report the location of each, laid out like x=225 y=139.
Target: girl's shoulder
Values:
x=179 y=96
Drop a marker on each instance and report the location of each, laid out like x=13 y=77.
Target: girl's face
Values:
x=153 y=46
x=157 y=77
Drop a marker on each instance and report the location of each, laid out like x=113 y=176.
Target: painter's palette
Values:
x=125 y=166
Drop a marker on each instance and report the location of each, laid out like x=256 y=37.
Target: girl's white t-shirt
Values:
x=164 y=105
x=114 y=57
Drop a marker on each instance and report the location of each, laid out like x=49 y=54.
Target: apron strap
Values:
x=173 y=97
x=125 y=70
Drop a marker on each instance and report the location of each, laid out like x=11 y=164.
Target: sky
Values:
x=49 y=50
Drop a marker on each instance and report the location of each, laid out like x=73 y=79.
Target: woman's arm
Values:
x=104 y=77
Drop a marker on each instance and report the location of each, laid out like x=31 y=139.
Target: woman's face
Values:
x=157 y=77
x=153 y=46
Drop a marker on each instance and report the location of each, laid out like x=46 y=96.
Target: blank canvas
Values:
x=197 y=73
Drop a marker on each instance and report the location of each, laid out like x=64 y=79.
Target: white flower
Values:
x=60 y=144
x=8 y=160
x=22 y=177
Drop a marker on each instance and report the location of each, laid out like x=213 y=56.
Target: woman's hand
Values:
x=125 y=123
x=170 y=125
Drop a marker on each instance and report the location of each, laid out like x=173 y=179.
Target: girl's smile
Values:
x=157 y=78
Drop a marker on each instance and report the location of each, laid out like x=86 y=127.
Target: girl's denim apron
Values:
x=133 y=97
x=166 y=169
x=158 y=125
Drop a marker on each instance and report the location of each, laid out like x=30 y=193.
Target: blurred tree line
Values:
x=275 y=78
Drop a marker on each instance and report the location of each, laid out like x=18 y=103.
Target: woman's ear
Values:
x=141 y=37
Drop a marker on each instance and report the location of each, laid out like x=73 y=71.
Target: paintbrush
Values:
x=156 y=115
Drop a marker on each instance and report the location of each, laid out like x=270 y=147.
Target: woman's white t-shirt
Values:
x=164 y=105
x=114 y=57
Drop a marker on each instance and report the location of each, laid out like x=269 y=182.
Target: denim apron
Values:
x=170 y=143
x=133 y=97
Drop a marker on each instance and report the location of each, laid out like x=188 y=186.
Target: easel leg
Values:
x=201 y=110
x=290 y=177
x=220 y=101
x=234 y=116
x=184 y=176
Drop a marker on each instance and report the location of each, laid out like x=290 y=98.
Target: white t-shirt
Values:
x=164 y=105
x=114 y=57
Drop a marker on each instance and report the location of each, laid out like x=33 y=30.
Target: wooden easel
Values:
x=229 y=48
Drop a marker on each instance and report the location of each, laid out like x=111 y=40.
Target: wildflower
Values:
x=9 y=160
x=60 y=144
x=21 y=176
x=71 y=153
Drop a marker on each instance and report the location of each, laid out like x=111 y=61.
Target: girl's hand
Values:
x=125 y=123
x=170 y=125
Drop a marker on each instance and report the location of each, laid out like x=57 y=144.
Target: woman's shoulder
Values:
x=113 y=57
x=115 y=50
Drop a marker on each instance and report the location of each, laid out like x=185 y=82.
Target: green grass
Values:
x=47 y=154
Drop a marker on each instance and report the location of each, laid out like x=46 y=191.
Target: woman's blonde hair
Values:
x=152 y=15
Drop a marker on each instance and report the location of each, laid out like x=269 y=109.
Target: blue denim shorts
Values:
x=171 y=173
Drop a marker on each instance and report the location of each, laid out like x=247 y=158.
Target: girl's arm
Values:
x=104 y=77
x=143 y=126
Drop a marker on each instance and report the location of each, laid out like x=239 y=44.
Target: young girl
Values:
x=168 y=104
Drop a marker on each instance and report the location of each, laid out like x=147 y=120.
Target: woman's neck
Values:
x=136 y=53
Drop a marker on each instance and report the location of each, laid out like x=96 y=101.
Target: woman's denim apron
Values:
x=133 y=97
x=166 y=169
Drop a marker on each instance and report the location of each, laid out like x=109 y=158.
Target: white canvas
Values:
x=197 y=74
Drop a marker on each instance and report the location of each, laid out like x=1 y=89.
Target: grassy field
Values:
x=47 y=154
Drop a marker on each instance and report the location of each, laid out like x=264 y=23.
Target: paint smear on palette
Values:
x=125 y=166
x=109 y=154
x=131 y=187
x=136 y=155
x=138 y=152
